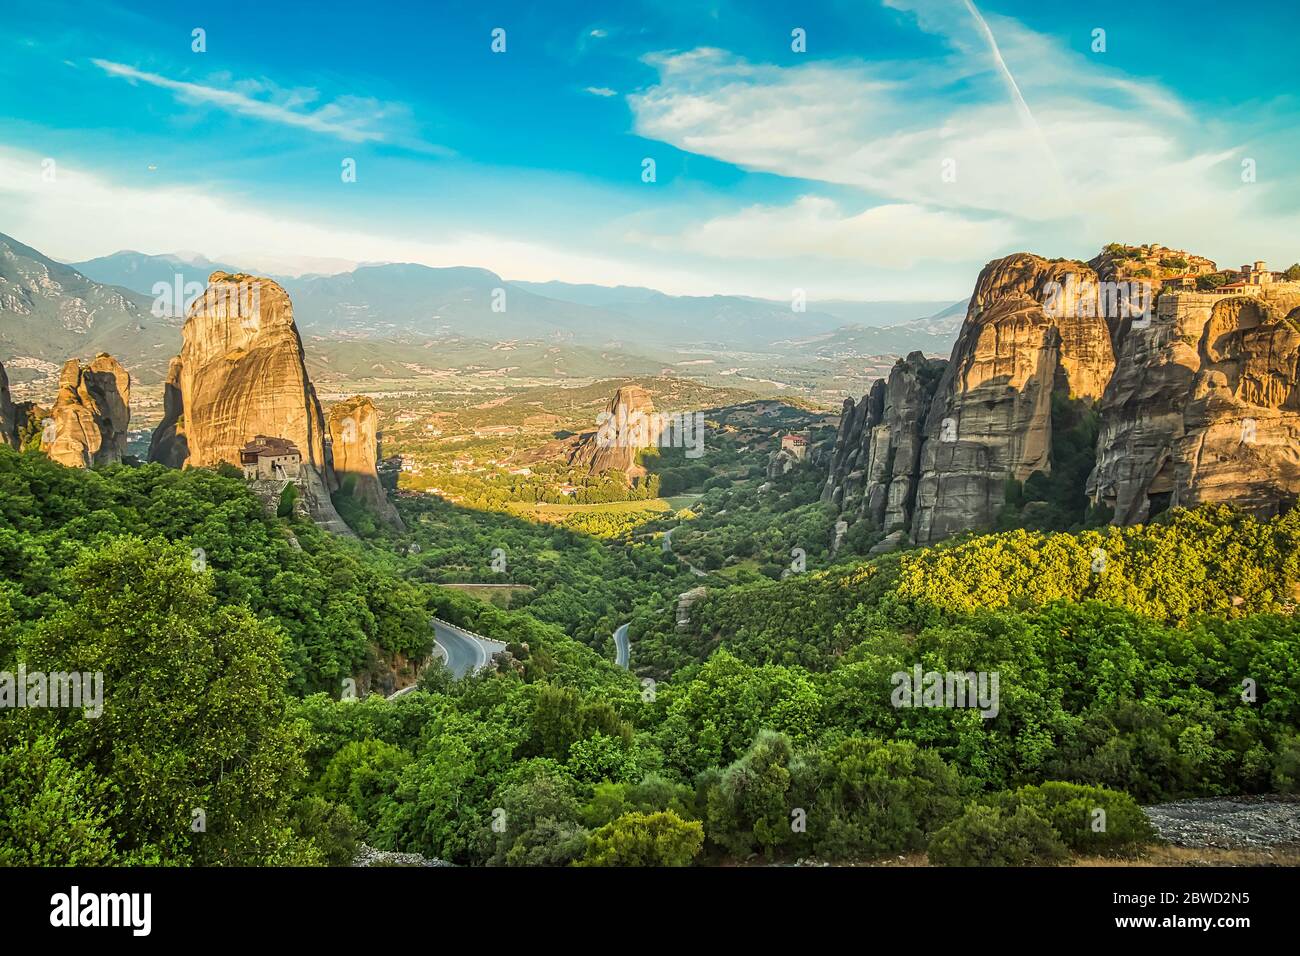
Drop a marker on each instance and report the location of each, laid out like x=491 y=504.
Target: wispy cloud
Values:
x=1097 y=159
x=352 y=119
x=601 y=91
x=853 y=123
x=82 y=215
x=895 y=235
x=1009 y=137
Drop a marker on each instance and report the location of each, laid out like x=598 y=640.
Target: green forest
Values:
x=764 y=728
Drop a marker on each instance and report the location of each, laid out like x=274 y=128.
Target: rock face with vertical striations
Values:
x=930 y=449
x=1193 y=401
x=991 y=419
x=1204 y=407
x=876 y=455
x=242 y=374
x=354 y=446
x=168 y=445
x=627 y=426
x=9 y=423
x=91 y=414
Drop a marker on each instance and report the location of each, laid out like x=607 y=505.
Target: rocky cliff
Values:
x=168 y=445
x=9 y=423
x=991 y=418
x=242 y=374
x=354 y=446
x=49 y=310
x=875 y=459
x=627 y=425
x=1195 y=397
x=1204 y=406
x=89 y=420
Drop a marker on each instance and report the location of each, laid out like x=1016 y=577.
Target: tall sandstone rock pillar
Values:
x=9 y=423
x=91 y=414
x=354 y=446
x=991 y=418
x=242 y=373
x=628 y=426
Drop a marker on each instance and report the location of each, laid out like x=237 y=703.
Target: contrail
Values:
x=1012 y=85
x=1026 y=117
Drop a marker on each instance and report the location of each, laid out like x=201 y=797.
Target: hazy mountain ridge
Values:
x=397 y=299
x=401 y=322
x=141 y=272
x=53 y=312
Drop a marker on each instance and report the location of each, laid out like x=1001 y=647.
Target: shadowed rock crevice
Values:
x=88 y=423
x=354 y=455
x=168 y=444
x=9 y=415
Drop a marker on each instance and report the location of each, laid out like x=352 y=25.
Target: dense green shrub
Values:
x=360 y=775
x=640 y=839
x=871 y=798
x=192 y=758
x=1286 y=765
x=990 y=836
x=754 y=803
x=332 y=827
x=1089 y=820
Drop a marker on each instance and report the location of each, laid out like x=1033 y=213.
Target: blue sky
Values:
x=912 y=141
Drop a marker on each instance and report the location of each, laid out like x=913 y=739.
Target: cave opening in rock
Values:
x=1158 y=502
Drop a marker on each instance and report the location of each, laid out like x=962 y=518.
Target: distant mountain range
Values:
x=50 y=312
x=140 y=273
x=369 y=319
x=732 y=319
x=398 y=299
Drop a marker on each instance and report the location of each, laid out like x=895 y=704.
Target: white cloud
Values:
x=352 y=119
x=850 y=124
x=601 y=91
x=897 y=235
x=1090 y=154
x=81 y=215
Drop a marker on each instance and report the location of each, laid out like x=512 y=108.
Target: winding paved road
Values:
x=668 y=549
x=464 y=652
x=622 y=650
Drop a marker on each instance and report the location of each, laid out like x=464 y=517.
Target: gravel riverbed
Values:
x=1228 y=822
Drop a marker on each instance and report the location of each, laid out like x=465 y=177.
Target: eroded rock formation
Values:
x=1204 y=406
x=1197 y=398
x=627 y=426
x=930 y=450
x=88 y=423
x=9 y=423
x=242 y=374
x=991 y=418
x=354 y=444
x=168 y=444
x=874 y=463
